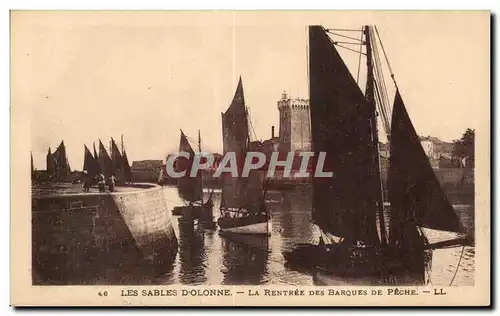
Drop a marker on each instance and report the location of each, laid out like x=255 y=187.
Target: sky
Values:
x=82 y=76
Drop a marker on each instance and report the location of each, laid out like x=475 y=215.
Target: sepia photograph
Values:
x=226 y=157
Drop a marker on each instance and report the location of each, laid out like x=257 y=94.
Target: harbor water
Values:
x=207 y=258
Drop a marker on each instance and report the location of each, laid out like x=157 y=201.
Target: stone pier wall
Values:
x=80 y=238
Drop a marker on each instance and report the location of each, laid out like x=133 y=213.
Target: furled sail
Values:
x=189 y=187
x=238 y=192
x=343 y=205
x=105 y=161
x=414 y=191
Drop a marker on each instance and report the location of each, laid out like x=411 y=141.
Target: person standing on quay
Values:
x=86 y=181
x=112 y=182
x=101 y=182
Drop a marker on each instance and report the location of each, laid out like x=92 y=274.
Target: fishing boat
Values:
x=348 y=207
x=243 y=209
x=117 y=163
x=191 y=188
x=105 y=162
x=90 y=163
x=58 y=169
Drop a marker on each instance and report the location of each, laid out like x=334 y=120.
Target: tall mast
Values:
x=370 y=96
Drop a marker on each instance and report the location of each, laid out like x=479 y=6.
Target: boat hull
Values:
x=263 y=228
x=246 y=224
x=381 y=266
x=194 y=211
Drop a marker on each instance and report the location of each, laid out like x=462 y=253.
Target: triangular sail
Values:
x=87 y=158
x=126 y=167
x=105 y=161
x=343 y=205
x=60 y=163
x=189 y=187
x=90 y=164
x=239 y=192
x=414 y=191
x=117 y=161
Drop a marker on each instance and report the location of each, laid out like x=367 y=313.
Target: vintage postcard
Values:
x=250 y=158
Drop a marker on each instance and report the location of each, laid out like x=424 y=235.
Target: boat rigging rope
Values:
x=345 y=36
x=386 y=59
x=353 y=50
x=458 y=265
x=344 y=30
x=380 y=86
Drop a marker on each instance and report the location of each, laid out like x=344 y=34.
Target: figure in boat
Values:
x=243 y=209
x=348 y=208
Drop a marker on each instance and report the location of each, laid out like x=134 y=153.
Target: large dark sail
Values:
x=414 y=191
x=105 y=161
x=343 y=205
x=189 y=187
x=235 y=124
x=235 y=192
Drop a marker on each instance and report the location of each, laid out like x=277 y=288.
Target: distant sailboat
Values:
x=105 y=162
x=349 y=205
x=117 y=162
x=243 y=208
x=58 y=168
x=190 y=188
x=90 y=164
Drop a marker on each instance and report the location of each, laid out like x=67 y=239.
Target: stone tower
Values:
x=295 y=124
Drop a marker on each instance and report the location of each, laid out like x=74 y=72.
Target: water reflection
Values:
x=192 y=254
x=207 y=257
x=292 y=218
x=244 y=259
